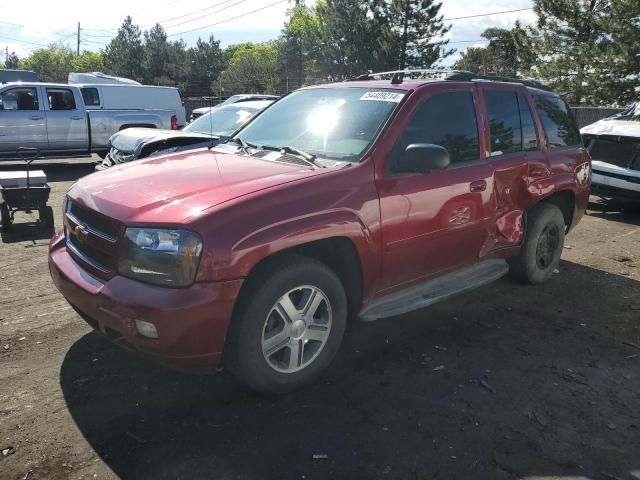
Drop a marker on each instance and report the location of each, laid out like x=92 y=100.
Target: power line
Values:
x=229 y=19
x=189 y=14
x=486 y=14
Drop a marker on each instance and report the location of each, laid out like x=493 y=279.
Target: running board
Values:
x=435 y=290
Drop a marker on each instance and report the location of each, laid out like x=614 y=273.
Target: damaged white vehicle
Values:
x=614 y=145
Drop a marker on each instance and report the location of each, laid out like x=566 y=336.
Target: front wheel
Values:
x=543 y=243
x=288 y=325
x=5 y=217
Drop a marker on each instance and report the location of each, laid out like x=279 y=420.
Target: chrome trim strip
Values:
x=86 y=259
x=90 y=229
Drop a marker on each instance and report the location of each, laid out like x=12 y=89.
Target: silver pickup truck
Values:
x=54 y=119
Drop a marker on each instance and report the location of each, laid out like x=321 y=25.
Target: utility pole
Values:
x=6 y=56
x=78 y=47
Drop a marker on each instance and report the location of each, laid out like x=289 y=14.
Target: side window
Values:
x=557 y=121
x=91 y=97
x=504 y=121
x=447 y=119
x=529 y=137
x=61 y=99
x=19 y=99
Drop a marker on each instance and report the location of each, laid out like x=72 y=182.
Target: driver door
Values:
x=438 y=221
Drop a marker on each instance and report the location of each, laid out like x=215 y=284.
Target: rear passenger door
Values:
x=66 y=121
x=514 y=155
x=437 y=221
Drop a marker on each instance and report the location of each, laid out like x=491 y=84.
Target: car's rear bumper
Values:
x=191 y=322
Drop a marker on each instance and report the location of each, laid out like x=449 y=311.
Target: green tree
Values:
x=156 y=55
x=52 y=64
x=346 y=33
x=507 y=54
x=124 y=55
x=205 y=62
x=300 y=46
x=12 y=61
x=414 y=32
x=587 y=48
x=253 y=68
x=472 y=60
x=88 y=62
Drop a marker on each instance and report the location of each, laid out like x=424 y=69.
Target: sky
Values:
x=24 y=29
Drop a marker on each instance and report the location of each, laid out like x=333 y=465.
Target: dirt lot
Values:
x=505 y=382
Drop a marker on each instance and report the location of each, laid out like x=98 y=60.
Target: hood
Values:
x=131 y=140
x=179 y=188
x=613 y=126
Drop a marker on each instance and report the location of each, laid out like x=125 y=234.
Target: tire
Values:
x=5 y=217
x=46 y=217
x=543 y=243
x=261 y=345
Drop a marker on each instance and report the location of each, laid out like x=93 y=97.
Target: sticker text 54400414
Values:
x=383 y=96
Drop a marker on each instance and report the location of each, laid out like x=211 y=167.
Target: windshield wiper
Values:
x=295 y=151
x=244 y=146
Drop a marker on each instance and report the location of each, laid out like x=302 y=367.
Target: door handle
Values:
x=77 y=117
x=478 y=186
x=35 y=117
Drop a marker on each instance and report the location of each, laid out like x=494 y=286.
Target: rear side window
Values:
x=504 y=121
x=61 y=99
x=91 y=97
x=447 y=119
x=557 y=121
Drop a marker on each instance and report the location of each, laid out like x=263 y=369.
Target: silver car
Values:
x=208 y=130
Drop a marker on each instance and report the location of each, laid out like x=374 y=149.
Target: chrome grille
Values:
x=92 y=238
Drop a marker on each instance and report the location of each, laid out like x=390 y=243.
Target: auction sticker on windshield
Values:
x=383 y=96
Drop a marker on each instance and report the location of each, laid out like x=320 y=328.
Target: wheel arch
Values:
x=339 y=253
x=565 y=200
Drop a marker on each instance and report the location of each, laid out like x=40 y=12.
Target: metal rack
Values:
x=399 y=76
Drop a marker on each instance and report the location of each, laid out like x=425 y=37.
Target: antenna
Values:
x=210 y=121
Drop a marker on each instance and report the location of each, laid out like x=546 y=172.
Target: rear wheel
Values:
x=544 y=240
x=288 y=325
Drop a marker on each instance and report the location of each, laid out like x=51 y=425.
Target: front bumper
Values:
x=615 y=182
x=191 y=322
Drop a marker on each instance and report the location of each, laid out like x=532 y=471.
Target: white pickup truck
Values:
x=76 y=120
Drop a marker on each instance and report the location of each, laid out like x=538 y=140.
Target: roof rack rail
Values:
x=398 y=76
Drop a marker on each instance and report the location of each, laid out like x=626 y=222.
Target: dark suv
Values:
x=365 y=199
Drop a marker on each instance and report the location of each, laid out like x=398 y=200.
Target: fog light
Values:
x=146 y=329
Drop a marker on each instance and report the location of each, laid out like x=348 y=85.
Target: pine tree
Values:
x=587 y=48
x=414 y=32
x=125 y=53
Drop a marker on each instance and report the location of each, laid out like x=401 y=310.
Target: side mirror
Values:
x=422 y=158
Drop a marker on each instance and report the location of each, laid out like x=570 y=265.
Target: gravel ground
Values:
x=505 y=382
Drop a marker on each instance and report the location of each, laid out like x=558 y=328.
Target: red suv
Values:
x=367 y=198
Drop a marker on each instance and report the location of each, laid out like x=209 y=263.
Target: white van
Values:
x=133 y=97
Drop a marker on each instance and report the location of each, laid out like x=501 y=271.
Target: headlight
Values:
x=161 y=256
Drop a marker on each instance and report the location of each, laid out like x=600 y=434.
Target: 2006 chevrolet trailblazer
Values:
x=371 y=198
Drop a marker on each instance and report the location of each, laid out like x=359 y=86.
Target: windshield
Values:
x=631 y=114
x=221 y=122
x=334 y=123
